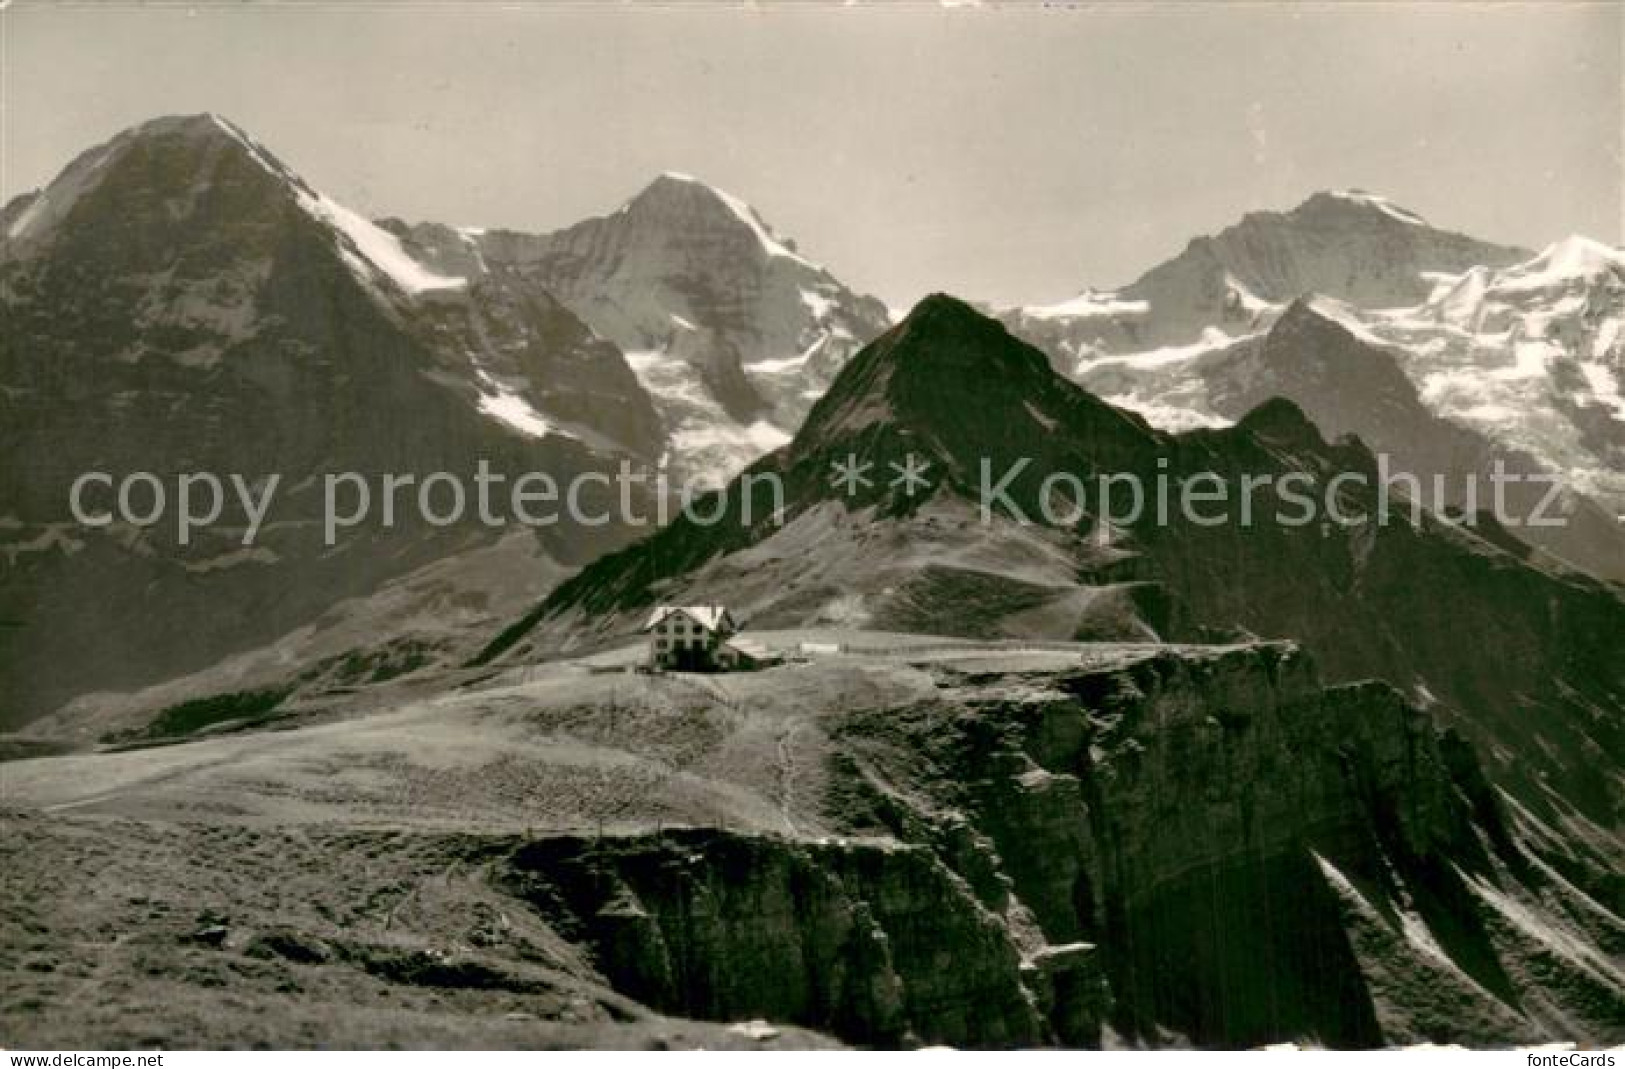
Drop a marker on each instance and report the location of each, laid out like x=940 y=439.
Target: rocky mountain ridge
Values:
x=1346 y=244
x=1510 y=355
x=179 y=301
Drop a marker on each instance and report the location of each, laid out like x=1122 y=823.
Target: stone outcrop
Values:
x=878 y=943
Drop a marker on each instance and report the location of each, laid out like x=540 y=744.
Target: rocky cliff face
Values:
x=179 y=301
x=1203 y=816
x=978 y=844
x=875 y=943
x=1205 y=844
x=1345 y=244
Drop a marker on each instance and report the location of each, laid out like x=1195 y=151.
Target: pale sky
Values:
x=1005 y=153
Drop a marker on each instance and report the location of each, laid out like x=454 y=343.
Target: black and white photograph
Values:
x=811 y=526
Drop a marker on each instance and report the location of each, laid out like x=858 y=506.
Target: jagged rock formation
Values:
x=1204 y=844
x=1531 y=355
x=1348 y=382
x=1237 y=840
x=179 y=301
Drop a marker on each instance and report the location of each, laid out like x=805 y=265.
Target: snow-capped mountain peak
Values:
x=180 y=191
x=1574 y=259
x=1524 y=350
x=1558 y=282
x=729 y=328
x=1347 y=244
x=675 y=195
x=32 y=219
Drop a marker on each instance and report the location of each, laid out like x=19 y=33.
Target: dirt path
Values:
x=787 y=774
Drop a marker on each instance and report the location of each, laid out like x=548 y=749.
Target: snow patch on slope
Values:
x=711 y=445
x=1412 y=928
x=510 y=408
x=1160 y=384
x=1574 y=259
x=1458 y=299
x=1514 y=353
x=379 y=248
x=1160 y=413
x=67 y=187
x=1249 y=301
x=1088 y=304
x=35 y=209
x=817 y=303
x=1212 y=340
x=788 y=363
x=748 y=216
x=375 y=250
x=1605 y=388
x=1382 y=204
x=1346 y=316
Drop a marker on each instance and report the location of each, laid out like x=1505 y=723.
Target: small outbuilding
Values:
x=745 y=655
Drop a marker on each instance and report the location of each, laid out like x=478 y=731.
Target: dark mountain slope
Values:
x=178 y=301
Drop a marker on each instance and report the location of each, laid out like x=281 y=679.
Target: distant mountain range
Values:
x=1509 y=355
x=1349 y=245
x=1383 y=756
x=179 y=299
